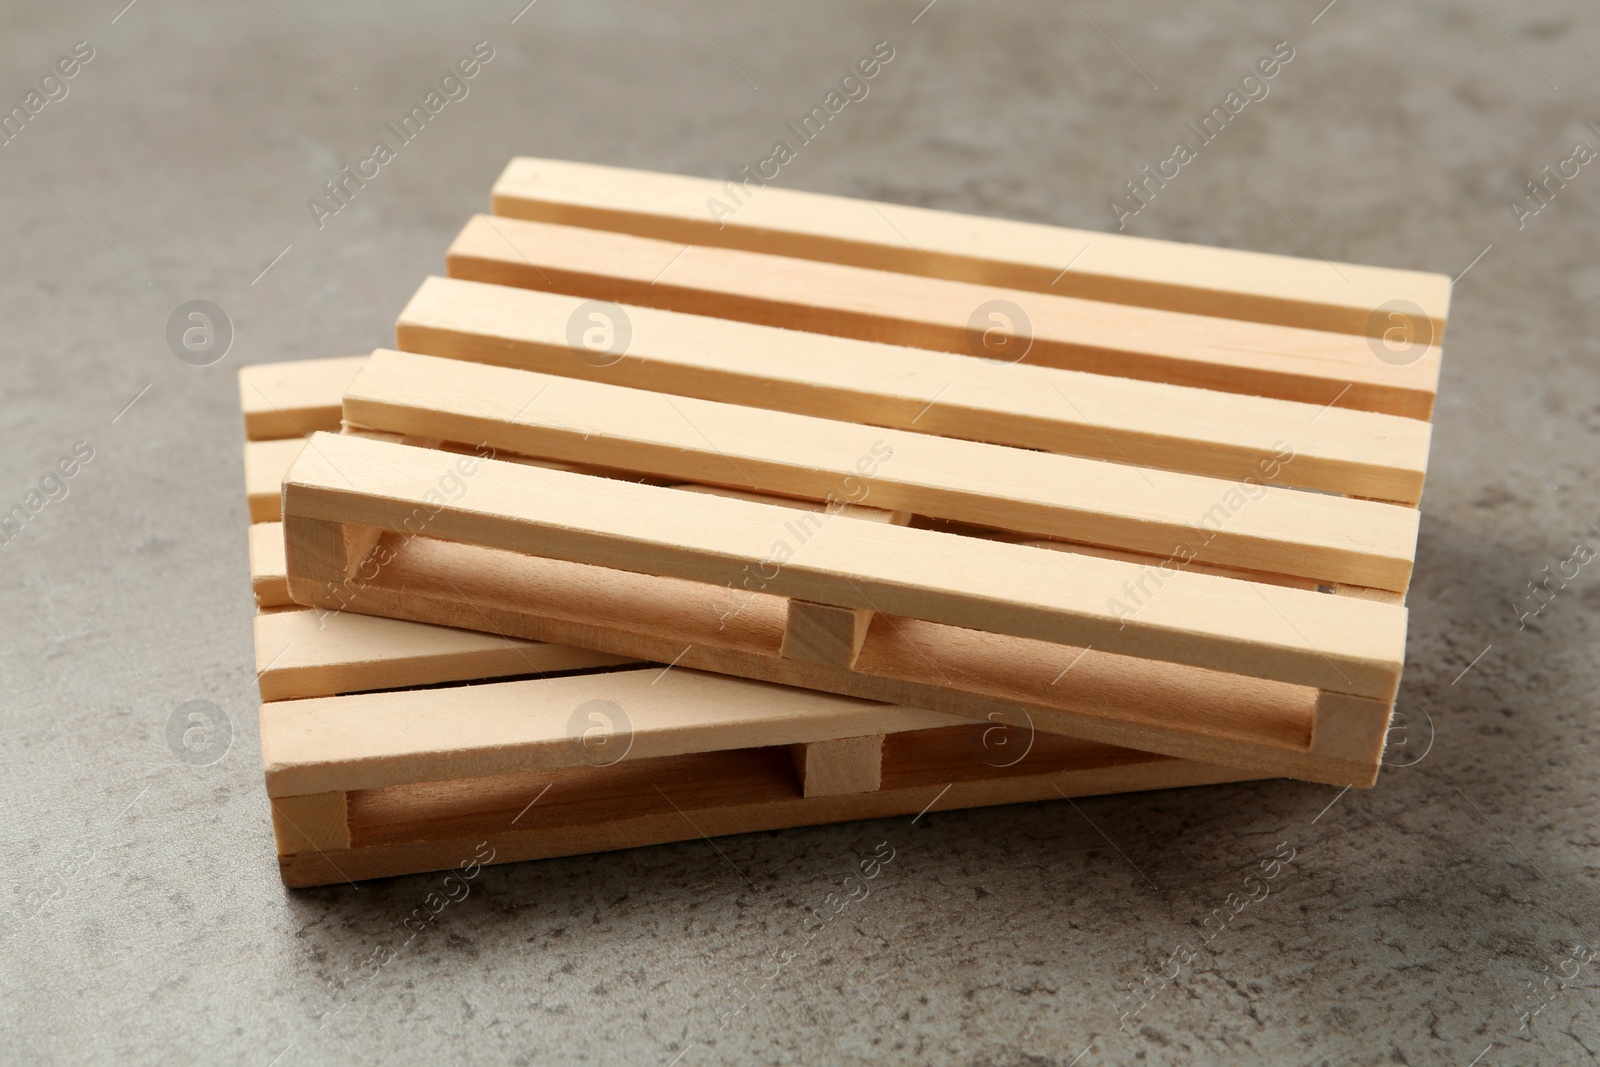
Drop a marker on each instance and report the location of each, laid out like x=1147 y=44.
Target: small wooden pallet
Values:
x=601 y=752
x=1104 y=538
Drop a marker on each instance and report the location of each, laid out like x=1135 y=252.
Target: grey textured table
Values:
x=1416 y=923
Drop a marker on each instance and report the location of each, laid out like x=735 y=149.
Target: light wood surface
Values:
x=307 y=653
x=822 y=633
x=1289 y=363
x=310 y=653
x=1096 y=265
x=840 y=766
x=379 y=739
x=1337 y=643
x=1152 y=424
x=296 y=398
x=269 y=571
x=317 y=822
x=265 y=463
x=1159 y=513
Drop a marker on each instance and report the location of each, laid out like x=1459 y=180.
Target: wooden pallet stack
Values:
x=662 y=523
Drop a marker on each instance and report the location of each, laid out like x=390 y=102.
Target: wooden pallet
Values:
x=1075 y=547
x=376 y=764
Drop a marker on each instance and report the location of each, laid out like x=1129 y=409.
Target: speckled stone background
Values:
x=1417 y=922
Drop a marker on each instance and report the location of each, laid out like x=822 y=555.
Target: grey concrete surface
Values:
x=1417 y=922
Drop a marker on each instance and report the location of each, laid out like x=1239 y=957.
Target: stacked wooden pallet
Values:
x=1157 y=533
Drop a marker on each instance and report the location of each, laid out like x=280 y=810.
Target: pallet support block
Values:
x=822 y=633
x=318 y=822
x=334 y=550
x=835 y=768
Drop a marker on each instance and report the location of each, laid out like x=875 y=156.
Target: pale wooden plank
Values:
x=269 y=571
x=296 y=398
x=313 y=653
x=1152 y=424
x=371 y=740
x=1336 y=643
x=264 y=465
x=1289 y=363
x=840 y=766
x=846 y=229
x=1333 y=539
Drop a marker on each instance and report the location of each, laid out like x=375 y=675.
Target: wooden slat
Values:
x=1289 y=363
x=269 y=572
x=1112 y=267
x=372 y=740
x=1152 y=424
x=312 y=653
x=264 y=465
x=1333 y=539
x=294 y=399
x=1336 y=643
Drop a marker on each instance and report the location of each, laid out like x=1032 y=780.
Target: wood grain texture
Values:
x=1152 y=424
x=313 y=823
x=456 y=825
x=1264 y=727
x=840 y=766
x=371 y=740
x=821 y=633
x=313 y=653
x=1331 y=539
x=296 y=398
x=264 y=465
x=1104 y=266
x=1289 y=363
x=269 y=571
x=1337 y=643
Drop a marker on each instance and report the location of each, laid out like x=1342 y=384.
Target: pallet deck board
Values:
x=1111 y=267
x=269 y=570
x=305 y=653
x=292 y=399
x=265 y=463
x=1357 y=542
x=380 y=739
x=1152 y=424
x=1289 y=363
